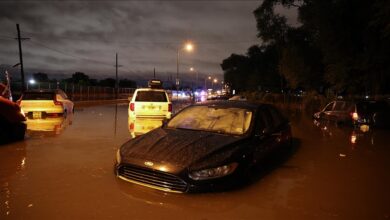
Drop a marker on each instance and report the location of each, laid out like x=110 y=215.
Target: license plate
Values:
x=37 y=114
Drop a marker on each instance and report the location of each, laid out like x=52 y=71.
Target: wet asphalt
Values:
x=64 y=170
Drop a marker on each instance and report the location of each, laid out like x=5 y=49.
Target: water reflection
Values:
x=139 y=126
x=355 y=135
x=49 y=126
x=13 y=160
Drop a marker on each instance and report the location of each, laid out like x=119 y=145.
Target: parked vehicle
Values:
x=45 y=103
x=369 y=112
x=148 y=102
x=12 y=121
x=205 y=145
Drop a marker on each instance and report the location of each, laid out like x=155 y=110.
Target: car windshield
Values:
x=234 y=121
x=38 y=96
x=151 y=96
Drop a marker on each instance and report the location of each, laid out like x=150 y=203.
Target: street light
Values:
x=205 y=82
x=189 y=47
x=192 y=69
x=214 y=81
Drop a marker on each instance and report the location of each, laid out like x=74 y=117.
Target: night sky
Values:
x=85 y=35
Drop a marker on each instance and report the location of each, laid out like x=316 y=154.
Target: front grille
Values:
x=152 y=178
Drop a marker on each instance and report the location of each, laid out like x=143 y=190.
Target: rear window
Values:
x=38 y=96
x=151 y=96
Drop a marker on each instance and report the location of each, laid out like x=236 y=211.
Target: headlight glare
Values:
x=212 y=173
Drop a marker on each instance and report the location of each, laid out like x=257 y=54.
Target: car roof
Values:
x=149 y=89
x=232 y=104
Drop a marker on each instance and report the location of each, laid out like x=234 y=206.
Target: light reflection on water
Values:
x=58 y=174
x=48 y=127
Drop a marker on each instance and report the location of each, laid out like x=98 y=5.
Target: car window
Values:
x=151 y=96
x=339 y=106
x=234 y=121
x=262 y=122
x=268 y=119
x=59 y=97
x=329 y=107
x=277 y=117
x=38 y=96
x=64 y=96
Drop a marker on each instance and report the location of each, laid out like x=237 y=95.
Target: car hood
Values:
x=176 y=149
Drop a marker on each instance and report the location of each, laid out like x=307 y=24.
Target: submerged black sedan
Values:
x=203 y=146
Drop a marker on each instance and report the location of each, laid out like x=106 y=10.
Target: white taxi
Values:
x=45 y=103
x=148 y=102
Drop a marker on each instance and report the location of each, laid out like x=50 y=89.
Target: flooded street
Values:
x=64 y=170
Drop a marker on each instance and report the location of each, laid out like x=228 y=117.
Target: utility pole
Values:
x=116 y=76
x=154 y=73
x=21 y=57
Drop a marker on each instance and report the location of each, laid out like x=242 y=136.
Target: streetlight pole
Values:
x=188 y=47
x=177 y=75
x=192 y=69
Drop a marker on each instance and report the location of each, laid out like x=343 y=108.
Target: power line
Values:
x=68 y=54
x=149 y=42
x=78 y=57
x=9 y=37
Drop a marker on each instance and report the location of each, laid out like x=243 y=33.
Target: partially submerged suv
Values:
x=370 y=112
x=45 y=103
x=150 y=102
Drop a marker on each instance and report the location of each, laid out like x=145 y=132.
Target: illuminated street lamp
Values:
x=31 y=82
x=189 y=47
x=214 y=81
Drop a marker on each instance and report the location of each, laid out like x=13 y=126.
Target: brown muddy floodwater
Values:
x=64 y=170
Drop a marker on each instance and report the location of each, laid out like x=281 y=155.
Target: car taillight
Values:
x=131 y=126
x=132 y=106
x=57 y=102
x=170 y=107
x=354 y=116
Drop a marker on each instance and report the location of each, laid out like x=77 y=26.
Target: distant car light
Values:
x=213 y=172
x=353 y=138
x=355 y=116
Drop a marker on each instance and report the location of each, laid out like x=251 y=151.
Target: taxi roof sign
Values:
x=155 y=84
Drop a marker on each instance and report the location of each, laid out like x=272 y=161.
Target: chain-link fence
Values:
x=77 y=92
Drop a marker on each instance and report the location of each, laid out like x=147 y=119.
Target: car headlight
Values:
x=118 y=156
x=213 y=172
